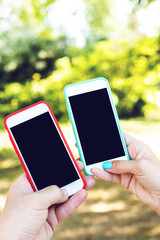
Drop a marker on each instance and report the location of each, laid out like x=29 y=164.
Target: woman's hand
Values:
x=141 y=175
x=32 y=215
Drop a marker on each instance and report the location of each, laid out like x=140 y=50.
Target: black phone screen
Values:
x=44 y=152
x=96 y=126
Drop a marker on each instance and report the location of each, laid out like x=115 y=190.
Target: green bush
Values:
x=23 y=53
x=133 y=72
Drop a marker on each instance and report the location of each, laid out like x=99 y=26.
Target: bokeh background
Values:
x=47 y=44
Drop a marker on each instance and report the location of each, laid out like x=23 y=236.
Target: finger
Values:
x=65 y=209
x=90 y=182
x=133 y=167
x=128 y=139
x=106 y=176
x=80 y=164
x=49 y=196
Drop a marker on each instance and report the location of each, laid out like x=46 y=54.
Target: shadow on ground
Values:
x=110 y=212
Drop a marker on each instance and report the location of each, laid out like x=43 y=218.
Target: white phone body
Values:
x=87 y=87
x=31 y=113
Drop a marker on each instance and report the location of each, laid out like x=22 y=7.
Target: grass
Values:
x=1 y=124
x=110 y=211
x=10 y=169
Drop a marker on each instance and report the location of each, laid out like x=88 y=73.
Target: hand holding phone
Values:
x=95 y=123
x=42 y=149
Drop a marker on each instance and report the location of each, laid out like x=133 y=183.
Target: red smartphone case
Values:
x=61 y=133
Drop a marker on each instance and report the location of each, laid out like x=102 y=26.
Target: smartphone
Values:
x=95 y=123
x=42 y=149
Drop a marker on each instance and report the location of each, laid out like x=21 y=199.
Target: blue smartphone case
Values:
x=73 y=124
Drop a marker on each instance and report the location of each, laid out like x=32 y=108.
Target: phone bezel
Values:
x=27 y=114
x=84 y=87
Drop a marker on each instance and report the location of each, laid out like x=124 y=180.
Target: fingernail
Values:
x=107 y=165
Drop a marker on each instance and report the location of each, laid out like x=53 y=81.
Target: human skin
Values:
x=30 y=215
x=141 y=175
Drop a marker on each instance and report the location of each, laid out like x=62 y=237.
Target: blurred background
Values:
x=47 y=44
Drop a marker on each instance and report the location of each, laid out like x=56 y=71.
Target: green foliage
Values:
x=27 y=44
x=97 y=14
x=32 y=12
x=142 y=1
x=35 y=66
x=40 y=8
x=132 y=70
x=25 y=54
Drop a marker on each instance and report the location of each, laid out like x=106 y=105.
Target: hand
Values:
x=32 y=215
x=141 y=176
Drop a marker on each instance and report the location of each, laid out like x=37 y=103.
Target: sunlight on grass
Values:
x=8 y=164
x=2 y=201
x=110 y=212
x=4 y=184
x=101 y=194
x=155 y=231
x=102 y=207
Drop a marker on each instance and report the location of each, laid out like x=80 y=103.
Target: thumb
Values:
x=49 y=196
x=127 y=166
